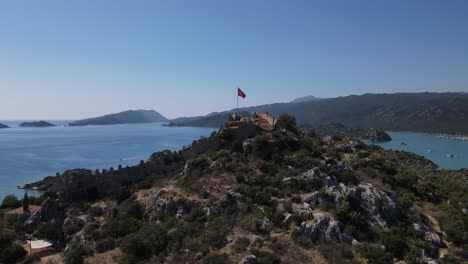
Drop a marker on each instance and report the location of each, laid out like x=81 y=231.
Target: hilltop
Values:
x=125 y=117
x=305 y=99
x=36 y=124
x=260 y=190
x=416 y=112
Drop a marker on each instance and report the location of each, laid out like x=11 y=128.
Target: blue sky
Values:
x=76 y=59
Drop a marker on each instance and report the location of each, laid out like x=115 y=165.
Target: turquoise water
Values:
x=30 y=154
x=431 y=147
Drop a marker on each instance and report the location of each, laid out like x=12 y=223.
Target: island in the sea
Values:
x=126 y=117
x=41 y=123
x=3 y=126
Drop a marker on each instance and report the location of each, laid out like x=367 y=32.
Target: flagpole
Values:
x=237 y=96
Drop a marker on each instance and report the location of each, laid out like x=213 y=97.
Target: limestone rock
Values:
x=313 y=200
x=380 y=206
x=323 y=227
x=251 y=259
x=316 y=175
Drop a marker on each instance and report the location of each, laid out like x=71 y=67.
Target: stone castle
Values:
x=263 y=120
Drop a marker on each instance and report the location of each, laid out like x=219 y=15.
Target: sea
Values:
x=30 y=154
x=446 y=153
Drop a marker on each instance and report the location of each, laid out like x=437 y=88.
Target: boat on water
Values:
x=455 y=136
x=451 y=156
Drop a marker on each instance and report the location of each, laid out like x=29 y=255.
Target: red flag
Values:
x=241 y=93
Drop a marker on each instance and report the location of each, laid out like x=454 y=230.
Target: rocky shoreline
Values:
x=338 y=129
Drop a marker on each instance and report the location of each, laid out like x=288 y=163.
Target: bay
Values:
x=432 y=147
x=30 y=154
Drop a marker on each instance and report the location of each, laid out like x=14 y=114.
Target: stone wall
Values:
x=263 y=120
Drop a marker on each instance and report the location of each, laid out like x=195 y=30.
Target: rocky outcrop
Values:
x=381 y=207
x=3 y=126
x=317 y=176
x=434 y=238
x=324 y=228
x=251 y=259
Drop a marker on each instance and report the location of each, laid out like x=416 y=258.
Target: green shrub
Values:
x=241 y=244
x=216 y=259
x=76 y=252
x=105 y=244
x=150 y=240
x=375 y=254
x=262 y=148
x=12 y=253
x=51 y=231
x=265 y=257
x=287 y=122
x=10 y=202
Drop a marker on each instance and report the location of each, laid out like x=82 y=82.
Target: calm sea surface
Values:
x=431 y=147
x=30 y=154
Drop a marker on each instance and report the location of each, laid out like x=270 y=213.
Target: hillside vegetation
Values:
x=281 y=197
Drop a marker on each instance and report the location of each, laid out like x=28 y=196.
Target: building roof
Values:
x=19 y=211
x=39 y=244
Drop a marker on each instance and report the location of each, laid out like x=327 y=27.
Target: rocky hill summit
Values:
x=260 y=190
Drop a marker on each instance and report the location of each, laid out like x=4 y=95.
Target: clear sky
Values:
x=81 y=58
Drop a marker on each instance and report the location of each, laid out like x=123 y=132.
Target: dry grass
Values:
x=108 y=257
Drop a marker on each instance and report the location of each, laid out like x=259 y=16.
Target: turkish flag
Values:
x=241 y=93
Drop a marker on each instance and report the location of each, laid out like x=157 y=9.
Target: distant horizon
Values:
x=227 y=109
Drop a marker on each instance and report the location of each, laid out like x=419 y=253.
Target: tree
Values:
x=26 y=203
x=10 y=202
x=288 y=122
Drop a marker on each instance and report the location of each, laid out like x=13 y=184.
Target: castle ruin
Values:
x=263 y=120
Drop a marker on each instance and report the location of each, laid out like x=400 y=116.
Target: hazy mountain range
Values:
x=418 y=112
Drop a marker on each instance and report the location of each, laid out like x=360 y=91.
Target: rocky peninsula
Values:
x=37 y=124
x=3 y=126
x=338 y=129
